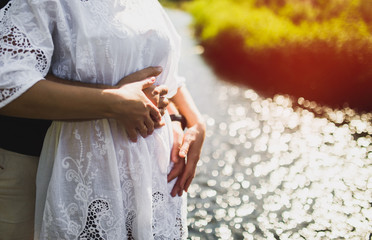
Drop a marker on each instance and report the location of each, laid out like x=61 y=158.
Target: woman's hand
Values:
x=192 y=139
x=156 y=94
x=178 y=162
x=190 y=149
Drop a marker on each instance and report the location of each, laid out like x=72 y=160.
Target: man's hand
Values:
x=154 y=93
x=134 y=110
x=59 y=99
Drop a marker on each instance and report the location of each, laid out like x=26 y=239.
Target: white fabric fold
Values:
x=93 y=183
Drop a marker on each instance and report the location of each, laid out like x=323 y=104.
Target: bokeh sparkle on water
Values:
x=272 y=170
x=275 y=168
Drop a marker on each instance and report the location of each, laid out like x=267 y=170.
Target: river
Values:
x=273 y=168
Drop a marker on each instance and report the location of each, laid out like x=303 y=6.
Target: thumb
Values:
x=184 y=148
x=174 y=153
x=147 y=82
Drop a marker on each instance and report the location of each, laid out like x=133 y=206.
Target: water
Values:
x=277 y=168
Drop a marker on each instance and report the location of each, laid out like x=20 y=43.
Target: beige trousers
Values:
x=17 y=195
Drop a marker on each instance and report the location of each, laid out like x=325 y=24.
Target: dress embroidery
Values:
x=16 y=44
x=129 y=224
x=93 y=229
x=7 y=93
x=101 y=15
x=93 y=183
x=97 y=212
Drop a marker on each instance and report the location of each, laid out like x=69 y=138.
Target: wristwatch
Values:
x=180 y=118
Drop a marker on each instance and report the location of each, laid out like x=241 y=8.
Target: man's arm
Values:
x=50 y=99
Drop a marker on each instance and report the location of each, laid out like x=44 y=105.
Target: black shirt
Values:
x=3 y=3
x=20 y=135
x=23 y=136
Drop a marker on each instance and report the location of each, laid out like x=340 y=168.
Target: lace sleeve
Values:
x=26 y=48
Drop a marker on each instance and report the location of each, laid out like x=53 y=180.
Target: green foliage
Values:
x=173 y=3
x=265 y=23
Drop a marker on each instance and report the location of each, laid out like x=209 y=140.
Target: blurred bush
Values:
x=173 y=3
x=319 y=49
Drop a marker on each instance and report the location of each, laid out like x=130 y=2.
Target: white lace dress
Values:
x=92 y=182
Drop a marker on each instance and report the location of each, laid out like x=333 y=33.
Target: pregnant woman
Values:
x=96 y=179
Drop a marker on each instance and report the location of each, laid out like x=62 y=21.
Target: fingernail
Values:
x=159 y=68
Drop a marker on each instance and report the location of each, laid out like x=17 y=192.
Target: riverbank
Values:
x=317 y=72
x=290 y=49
